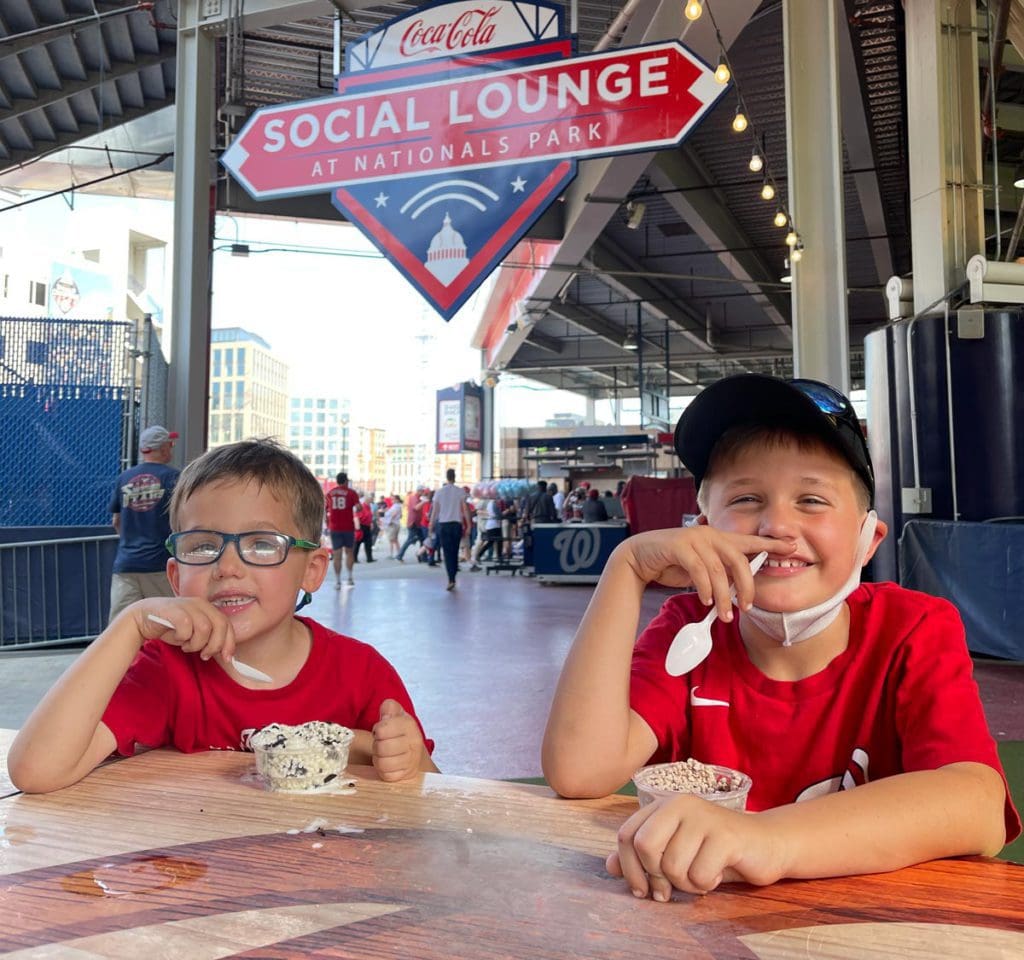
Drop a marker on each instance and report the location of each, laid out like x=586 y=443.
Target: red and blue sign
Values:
x=456 y=125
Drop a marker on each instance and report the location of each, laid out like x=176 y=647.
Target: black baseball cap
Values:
x=805 y=406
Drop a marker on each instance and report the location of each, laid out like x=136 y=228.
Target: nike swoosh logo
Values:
x=696 y=701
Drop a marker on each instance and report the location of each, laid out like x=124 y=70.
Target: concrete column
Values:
x=193 y=182
x=820 y=327
x=591 y=414
x=947 y=225
x=487 y=435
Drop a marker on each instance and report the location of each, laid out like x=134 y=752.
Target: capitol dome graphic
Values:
x=446 y=257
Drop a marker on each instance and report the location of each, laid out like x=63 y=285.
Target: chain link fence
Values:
x=65 y=396
x=74 y=395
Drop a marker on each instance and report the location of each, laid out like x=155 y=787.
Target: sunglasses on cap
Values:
x=838 y=409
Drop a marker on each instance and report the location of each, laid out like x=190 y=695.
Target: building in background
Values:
x=368 y=473
x=248 y=388
x=320 y=434
x=412 y=465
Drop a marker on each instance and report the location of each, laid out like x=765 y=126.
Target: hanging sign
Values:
x=459 y=419
x=456 y=125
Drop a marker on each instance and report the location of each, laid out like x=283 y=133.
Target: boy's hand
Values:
x=709 y=560
x=693 y=845
x=196 y=626
x=397 y=743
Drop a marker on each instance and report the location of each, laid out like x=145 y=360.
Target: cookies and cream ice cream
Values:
x=717 y=784
x=307 y=757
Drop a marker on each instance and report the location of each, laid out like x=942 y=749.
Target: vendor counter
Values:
x=574 y=552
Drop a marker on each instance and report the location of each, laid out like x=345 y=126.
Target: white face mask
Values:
x=790 y=628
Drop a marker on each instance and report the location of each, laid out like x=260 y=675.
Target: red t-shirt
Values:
x=340 y=502
x=901 y=697
x=171 y=698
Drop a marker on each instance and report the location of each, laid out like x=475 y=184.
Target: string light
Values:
x=758 y=162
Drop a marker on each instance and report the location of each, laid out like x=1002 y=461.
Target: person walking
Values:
x=447 y=516
x=139 y=515
x=365 y=514
x=392 y=523
x=340 y=502
x=413 y=536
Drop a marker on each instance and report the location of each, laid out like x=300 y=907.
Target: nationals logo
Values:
x=456 y=126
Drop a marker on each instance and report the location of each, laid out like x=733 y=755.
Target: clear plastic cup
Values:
x=733 y=798
x=301 y=759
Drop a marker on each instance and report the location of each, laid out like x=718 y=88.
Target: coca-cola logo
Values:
x=472 y=28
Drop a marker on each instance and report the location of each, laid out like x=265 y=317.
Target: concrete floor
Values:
x=480 y=662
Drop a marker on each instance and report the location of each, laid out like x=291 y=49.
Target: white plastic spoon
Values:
x=243 y=668
x=693 y=643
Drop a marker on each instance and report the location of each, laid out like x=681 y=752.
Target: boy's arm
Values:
x=883 y=825
x=594 y=742
x=64 y=738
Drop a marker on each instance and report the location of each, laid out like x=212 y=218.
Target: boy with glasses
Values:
x=851 y=706
x=247 y=520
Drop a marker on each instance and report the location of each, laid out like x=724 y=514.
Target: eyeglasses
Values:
x=258 y=548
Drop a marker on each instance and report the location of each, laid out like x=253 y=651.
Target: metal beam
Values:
x=193 y=196
x=820 y=325
x=613 y=258
x=92 y=79
x=17 y=156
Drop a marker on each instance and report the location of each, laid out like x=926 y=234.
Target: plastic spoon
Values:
x=243 y=668
x=693 y=643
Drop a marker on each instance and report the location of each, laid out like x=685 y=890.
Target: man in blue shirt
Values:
x=139 y=515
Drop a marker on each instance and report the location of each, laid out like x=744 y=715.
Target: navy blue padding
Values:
x=979 y=568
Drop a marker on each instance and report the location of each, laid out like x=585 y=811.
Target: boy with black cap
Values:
x=815 y=685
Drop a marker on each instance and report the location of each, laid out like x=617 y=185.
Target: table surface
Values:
x=172 y=855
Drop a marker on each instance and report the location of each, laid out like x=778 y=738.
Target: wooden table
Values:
x=167 y=855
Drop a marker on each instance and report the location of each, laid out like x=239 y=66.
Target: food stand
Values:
x=574 y=552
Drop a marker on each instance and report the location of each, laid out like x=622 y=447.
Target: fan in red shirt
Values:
x=341 y=525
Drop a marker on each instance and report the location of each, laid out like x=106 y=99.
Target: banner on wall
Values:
x=77 y=293
x=456 y=125
x=460 y=419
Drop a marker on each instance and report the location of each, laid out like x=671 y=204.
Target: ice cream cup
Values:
x=733 y=795
x=301 y=759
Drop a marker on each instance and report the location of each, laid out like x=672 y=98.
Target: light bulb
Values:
x=791 y=238
x=796 y=254
x=739 y=122
x=780 y=218
x=756 y=162
x=693 y=9
x=722 y=72
x=767 y=191
x=787 y=274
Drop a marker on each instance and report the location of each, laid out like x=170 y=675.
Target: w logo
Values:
x=578 y=548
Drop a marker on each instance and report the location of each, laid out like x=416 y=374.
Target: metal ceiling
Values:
x=703 y=268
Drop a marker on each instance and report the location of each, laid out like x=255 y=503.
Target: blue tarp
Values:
x=979 y=567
